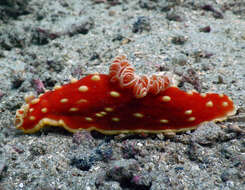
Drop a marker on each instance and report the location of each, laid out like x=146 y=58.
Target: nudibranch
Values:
x=122 y=102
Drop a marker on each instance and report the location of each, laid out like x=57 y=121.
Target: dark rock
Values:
x=173 y=16
x=205 y=29
x=49 y=82
x=81 y=27
x=40 y=36
x=38 y=85
x=86 y=160
x=83 y=138
x=129 y=149
x=104 y=153
x=17 y=82
x=180 y=60
x=201 y=54
x=207 y=134
x=162 y=181
x=38 y=150
x=229 y=174
x=142 y=24
x=83 y=163
x=196 y=152
x=125 y=173
x=179 y=40
x=1 y=94
x=216 y=14
x=191 y=77
x=227 y=151
x=55 y=65
x=146 y=4
x=94 y=56
x=12 y=37
x=13 y=9
x=118 y=37
x=3 y=166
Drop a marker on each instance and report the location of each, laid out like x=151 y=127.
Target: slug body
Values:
x=122 y=102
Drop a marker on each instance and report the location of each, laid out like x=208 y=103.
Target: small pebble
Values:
x=179 y=40
x=172 y=16
x=142 y=24
x=205 y=29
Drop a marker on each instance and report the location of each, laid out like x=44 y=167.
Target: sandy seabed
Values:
x=48 y=42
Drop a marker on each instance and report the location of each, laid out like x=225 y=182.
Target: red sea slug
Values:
x=122 y=102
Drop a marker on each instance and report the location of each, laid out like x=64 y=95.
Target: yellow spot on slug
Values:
x=221 y=95
x=57 y=87
x=191 y=119
x=163 y=121
x=73 y=80
x=32 y=118
x=166 y=98
x=109 y=109
x=88 y=119
x=224 y=104
x=209 y=104
x=40 y=95
x=31 y=109
x=114 y=94
x=139 y=115
x=44 y=110
x=99 y=115
x=95 y=78
x=61 y=122
x=64 y=100
x=35 y=101
x=29 y=98
x=83 y=88
x=82 y=101
x=203 y=95
x=115 y=119
x=73 y=109
x=103 y=113
x=188 y=112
